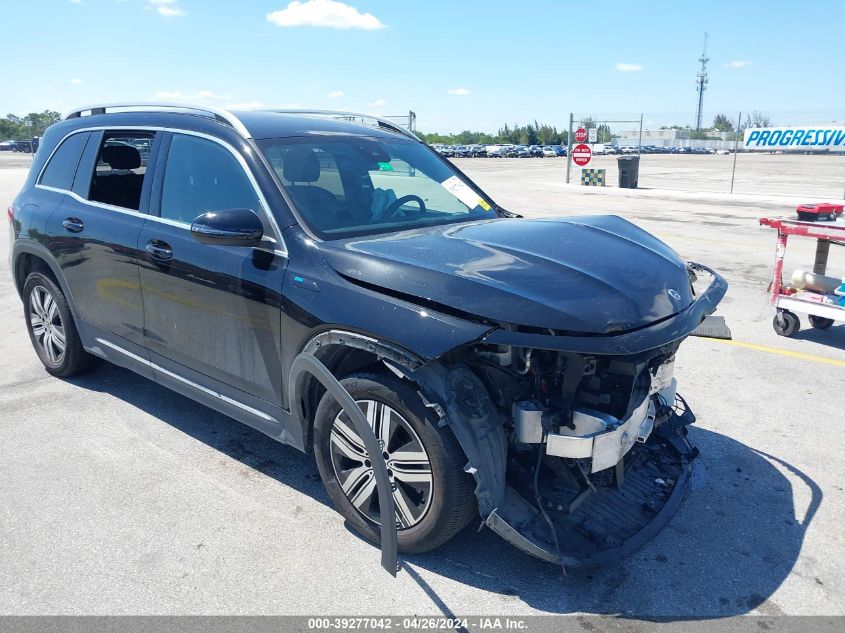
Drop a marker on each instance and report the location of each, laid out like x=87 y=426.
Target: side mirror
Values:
x=231 y=227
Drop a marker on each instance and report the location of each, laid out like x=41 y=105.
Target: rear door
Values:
x=93 y=235
x=212 y=313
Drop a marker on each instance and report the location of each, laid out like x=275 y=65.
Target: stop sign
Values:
x=580 y=135
x=581 y=155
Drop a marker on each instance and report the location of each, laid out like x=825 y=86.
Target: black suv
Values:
x=272 y=264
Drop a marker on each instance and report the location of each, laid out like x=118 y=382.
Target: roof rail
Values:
x=223 y=116
x=351 y=116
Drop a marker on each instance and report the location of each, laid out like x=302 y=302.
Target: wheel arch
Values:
x=452 y=390
x=342 y=352
x=28 y=258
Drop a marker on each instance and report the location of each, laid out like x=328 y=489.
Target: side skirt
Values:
x=258 y=414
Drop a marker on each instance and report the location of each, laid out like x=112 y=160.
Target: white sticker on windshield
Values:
x=461 y=191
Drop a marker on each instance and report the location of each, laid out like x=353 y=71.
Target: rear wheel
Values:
x=820 y=323
x=52 y=330
x=786 y=323
x=433 y=495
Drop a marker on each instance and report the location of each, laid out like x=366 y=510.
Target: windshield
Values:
x=351 y=186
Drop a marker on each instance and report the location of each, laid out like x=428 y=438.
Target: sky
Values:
x=459 y=64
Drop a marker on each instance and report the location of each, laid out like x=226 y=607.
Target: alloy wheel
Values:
x=46 y=322
x=408 y=464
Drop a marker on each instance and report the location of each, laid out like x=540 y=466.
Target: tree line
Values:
x=530 y=134
x=18 y=128
x=33 y=124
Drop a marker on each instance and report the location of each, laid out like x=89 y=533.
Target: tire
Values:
x=820 y=323
x=52 y=330
x=786 y=323
x=434 y=506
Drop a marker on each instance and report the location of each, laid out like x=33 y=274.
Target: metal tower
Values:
x=701 y=84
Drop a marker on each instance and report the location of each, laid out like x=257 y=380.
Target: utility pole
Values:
x=569 y=148
x=701 y=84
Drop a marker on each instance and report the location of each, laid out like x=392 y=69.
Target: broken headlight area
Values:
x=597 y=452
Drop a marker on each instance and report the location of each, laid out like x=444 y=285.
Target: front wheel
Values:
x=786 y=323
x=433 y=495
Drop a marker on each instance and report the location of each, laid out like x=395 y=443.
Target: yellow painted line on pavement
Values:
x=783 y=352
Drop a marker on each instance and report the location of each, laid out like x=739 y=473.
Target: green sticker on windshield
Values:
x=385 y=167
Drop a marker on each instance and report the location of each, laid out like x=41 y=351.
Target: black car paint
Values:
x=560 y=274
x=225 y=324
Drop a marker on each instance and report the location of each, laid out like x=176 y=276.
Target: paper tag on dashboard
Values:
x=461 y=191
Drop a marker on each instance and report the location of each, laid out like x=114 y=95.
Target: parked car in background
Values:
x=550 y=152
x=7 y=146
x=723 y=152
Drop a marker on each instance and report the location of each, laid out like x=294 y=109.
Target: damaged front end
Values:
x=579 y=457
x=591 y=481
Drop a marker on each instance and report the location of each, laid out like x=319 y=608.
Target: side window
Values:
x=121 y=168
x=61 y=169
x=201 y=176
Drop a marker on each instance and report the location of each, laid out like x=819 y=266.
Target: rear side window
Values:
x=121 y=168
x=61 y=168
x=202 y=176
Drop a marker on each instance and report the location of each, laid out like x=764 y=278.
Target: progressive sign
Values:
x=799 y=139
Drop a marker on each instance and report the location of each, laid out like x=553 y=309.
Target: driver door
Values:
x=211 y=313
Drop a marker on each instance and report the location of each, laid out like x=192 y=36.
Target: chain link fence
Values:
x=674 y=156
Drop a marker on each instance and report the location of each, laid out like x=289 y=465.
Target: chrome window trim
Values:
x=224 y=116
x=187 y=381
x=280 y=248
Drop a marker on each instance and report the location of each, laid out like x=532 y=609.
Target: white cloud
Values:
x=244 y=105
x=458 y=91
x=624 y=67
x=378 y=103
x=76 y=81
x=165 y=8
x=324 y=13
x=738 y=63
x=335 y=94
x=76 y=1
x=200 y=95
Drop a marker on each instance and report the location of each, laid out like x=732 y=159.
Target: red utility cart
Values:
x=816 y=211
x=788 y=299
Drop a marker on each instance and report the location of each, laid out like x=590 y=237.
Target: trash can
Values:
x=629 y=171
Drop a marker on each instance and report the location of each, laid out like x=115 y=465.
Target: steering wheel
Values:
x=390 y=211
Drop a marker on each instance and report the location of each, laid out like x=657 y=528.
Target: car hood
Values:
x=581 y=275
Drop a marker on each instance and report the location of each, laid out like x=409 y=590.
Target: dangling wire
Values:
x=541 y=451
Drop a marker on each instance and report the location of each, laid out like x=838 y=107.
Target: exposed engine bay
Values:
x=593 y=448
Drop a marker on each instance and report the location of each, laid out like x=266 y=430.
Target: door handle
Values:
x=159 y=250
x=74 y=225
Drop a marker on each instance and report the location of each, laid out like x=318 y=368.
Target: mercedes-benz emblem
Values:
x=674 y=294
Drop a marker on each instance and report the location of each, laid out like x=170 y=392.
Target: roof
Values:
x=256 y=124
x=267 y=124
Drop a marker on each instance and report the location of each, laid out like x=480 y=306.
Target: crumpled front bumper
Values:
x=607 y=522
